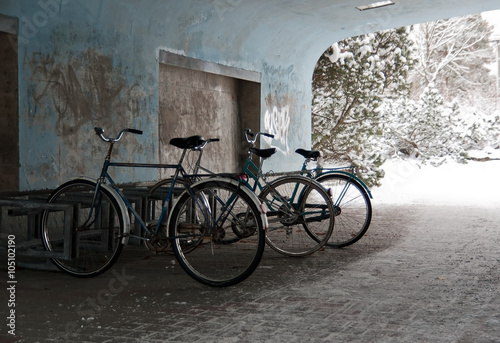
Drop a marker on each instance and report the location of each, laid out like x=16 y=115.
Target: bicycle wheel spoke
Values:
x=301 y=216
x=232 y=237
x=97 y=228
x=353 y=209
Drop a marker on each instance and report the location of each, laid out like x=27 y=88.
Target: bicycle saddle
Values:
x=187 y=143
x=264 y=153
x=312 y=154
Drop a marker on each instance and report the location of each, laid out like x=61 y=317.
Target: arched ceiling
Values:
x=292 y=30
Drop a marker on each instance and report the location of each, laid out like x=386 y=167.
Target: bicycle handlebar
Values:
x=205 y=142
x=100 y=132
x=249 y=133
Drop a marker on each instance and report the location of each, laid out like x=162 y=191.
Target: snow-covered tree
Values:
x=364 y=113
x=434 y=131
x=350 y=80
x=453 y=56
x=452 y=88
x=418 y=128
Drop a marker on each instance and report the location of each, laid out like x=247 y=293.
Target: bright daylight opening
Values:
x=419 y=118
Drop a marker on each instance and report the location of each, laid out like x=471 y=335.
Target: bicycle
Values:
x=299 y=211
x=350 y=195
x=204 y=212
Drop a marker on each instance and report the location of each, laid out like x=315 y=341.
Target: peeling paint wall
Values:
x=95 y=63
x=85 y=91
x=76 y=72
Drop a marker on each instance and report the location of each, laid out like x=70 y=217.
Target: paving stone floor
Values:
x=421 y=274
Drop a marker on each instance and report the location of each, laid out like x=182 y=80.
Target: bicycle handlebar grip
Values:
x=137 y=132
x=249 y=132
x=214 y=140
x=268 y=135
x=98 y=131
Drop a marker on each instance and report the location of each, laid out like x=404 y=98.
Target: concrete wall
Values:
x=194 y=102
x=96 y=63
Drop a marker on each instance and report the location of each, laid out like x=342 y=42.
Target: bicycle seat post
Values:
x=198 y=160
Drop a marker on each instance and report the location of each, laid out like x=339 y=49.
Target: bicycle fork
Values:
x=94 y=212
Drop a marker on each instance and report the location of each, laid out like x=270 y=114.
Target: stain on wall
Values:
x=194 y=102
x=88 y=90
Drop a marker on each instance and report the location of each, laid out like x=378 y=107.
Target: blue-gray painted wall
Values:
x=95 y=63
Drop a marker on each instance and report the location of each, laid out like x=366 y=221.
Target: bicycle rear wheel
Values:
x=95 y=243
x=218 y=232
x=300 y=213
x=353 y=210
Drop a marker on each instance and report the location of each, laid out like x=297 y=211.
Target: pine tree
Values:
x=350 y=81
x=417 y=128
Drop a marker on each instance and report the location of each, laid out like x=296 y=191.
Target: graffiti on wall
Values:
x=281 y=103
x=67 y=99
x=88 y=89
x=277 y=122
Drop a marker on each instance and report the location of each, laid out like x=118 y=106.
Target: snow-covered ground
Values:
x=471 y=184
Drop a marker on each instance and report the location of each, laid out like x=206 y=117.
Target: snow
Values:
x=493 y=17
x=453 y=184
x=336 y=53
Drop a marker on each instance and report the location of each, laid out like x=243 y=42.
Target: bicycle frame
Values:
x=250 y=171
x=320 y=171
x=105 y=178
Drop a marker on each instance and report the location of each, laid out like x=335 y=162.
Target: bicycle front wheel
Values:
x=217 y=233
x=353 y=209
x=97 y=228
x=300 y=214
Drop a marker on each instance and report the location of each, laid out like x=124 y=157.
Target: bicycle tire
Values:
x=353 y=210
x=94 y=249
x=220 y=258
x=297 y=230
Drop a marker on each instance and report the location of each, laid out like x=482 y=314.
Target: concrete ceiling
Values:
x=253 y=33
x=301 y=28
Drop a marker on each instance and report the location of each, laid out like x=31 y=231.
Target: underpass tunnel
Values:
x=108 y=63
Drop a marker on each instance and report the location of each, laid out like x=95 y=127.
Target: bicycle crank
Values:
x=287 y=216
x=158 y=242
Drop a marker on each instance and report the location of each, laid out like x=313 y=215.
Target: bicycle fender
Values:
x=256 y=201
x=119 y=201
x=352 y=176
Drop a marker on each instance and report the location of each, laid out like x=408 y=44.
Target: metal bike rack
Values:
x=32 y=209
